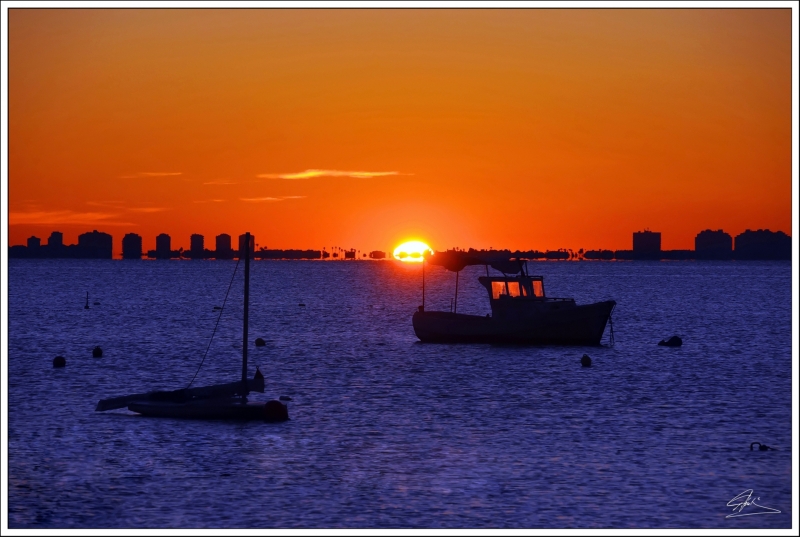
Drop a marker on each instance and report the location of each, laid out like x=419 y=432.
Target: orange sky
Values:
x=531 y=129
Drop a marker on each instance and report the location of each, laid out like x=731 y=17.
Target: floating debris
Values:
x=674 y=341
x=762 y=447
x=59 y=361
x=275 y=411
x=260 y=342
x=97 y=352
x=285 y=398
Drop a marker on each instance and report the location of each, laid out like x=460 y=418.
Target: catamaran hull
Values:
x=579 y=325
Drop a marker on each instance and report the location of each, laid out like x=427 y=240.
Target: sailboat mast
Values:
x=246 y=253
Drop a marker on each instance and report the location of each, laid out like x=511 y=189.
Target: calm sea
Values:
x=386 y=431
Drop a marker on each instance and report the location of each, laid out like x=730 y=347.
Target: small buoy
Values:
x=285 y=398
x=97 y=352
x=59 y=361
x=762 y=447
x=96 y=302
x=302 y=305
x=260 y=342
x=674 y=341
x=217 y=308
x=275 y=411
x=586 y=361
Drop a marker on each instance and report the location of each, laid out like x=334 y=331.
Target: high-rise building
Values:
x=95 y=245
x=34 y=243
x=762 y=244
x=163 y=246
x=132 y=246
x=196 y=246
x=713 y=245
x=56 y=240
x=647 y=242
x=241 y=245
x=223 y=247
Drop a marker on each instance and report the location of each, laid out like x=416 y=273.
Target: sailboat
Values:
x=221 y=401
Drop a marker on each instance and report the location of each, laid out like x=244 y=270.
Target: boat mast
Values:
x=246 y=254
x=423 y=282
x=455 y=310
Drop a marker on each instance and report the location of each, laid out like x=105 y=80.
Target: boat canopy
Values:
x=455 y=261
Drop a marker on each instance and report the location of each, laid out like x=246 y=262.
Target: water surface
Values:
x=386 y=431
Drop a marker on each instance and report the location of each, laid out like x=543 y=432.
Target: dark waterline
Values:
x=389 y=432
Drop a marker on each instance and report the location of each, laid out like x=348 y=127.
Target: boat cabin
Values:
x=520 y=296
x=512 y=287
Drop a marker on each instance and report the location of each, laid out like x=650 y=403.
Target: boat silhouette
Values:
x=521 y=312
x=221 y=401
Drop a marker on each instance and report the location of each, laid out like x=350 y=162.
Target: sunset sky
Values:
x=530 y=129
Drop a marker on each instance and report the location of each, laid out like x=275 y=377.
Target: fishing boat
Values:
x=218 y=402
x=521 y=312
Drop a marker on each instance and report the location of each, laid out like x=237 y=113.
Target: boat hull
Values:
x=206 y=410
x=579 y=325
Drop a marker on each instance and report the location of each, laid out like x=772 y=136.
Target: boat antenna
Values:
x=246 y=248
x=455 y=308
x=423 y=282
x=215 y=326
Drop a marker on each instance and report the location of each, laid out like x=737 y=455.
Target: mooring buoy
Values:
x=674 y=341
x=260 y=342
x=275 y=411
x=97 y=352
x=586 y=361
x=59 y=361
x=302 y=305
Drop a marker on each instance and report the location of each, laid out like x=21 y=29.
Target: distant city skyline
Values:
x=560 y=128
x=646 y=244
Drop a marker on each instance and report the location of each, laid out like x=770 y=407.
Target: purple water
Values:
x=386 y=431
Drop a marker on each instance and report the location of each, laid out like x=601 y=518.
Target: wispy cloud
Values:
x=148 y=209
x=150 y=174
x=310 y=174
x=208 y=201
x=281 y=198
x=111 y=203
x=221 y=182
x=64 y=218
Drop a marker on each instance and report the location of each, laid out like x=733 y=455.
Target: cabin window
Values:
x=507 y=288
x=498 y=288
x=538 y=289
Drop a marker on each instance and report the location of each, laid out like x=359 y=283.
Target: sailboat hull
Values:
x=578 y=325
x=223 y=409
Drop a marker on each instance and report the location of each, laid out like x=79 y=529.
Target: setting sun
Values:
x=411 y=251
